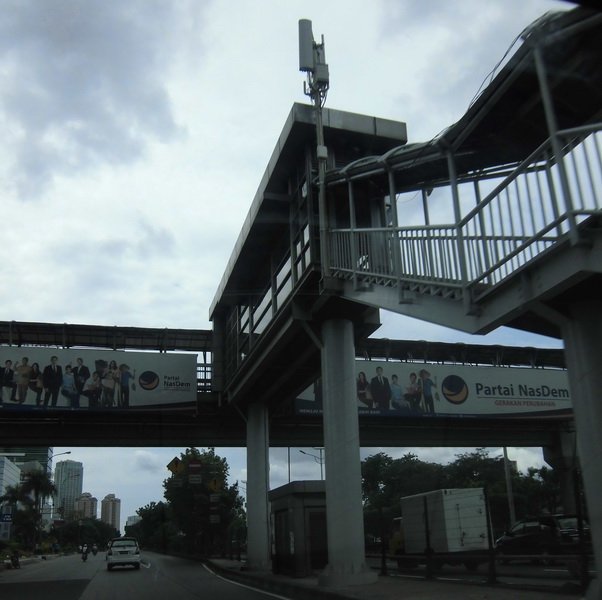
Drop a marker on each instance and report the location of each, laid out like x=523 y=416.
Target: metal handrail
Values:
x=521 y=217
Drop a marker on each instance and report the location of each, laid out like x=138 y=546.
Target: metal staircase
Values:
x=521 y=176
x=538 y=206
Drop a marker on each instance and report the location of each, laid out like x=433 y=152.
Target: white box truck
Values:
x=442 y=521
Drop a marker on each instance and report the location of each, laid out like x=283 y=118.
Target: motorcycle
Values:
x=85 y=555
x=94 y=550
x=14 y=560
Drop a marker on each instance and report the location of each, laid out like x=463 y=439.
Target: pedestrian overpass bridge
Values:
x=212 y=424
x=508 y=233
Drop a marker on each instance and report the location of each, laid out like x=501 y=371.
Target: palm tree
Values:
x=22 y=509
x=13 y=495
x=38 y=486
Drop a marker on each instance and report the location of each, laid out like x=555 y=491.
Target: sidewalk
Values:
x=386 y=588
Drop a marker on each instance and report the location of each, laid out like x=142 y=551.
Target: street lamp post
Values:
x=319 y=459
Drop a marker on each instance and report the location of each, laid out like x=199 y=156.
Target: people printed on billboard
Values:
x=7 y=378
x=380 y=389
x=52 y=378
x=412 y=390
x=36 y=382
x=81 y=373
x=96 y=380
x=364 y=396
x=428 y=385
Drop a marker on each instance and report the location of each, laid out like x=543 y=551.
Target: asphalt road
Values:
x=159 y=578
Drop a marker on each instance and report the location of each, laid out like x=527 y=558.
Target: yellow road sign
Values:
x=176 y=466
x=215 y=484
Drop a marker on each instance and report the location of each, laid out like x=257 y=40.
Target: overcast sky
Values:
x=135 y=134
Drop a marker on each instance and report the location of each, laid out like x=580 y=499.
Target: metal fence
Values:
x=542 y=201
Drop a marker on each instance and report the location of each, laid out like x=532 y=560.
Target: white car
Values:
x=123 y=551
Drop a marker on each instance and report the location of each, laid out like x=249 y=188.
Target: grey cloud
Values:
x=147 y=461
x=153 y=240
x=82 y=83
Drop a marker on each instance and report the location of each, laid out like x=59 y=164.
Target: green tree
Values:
x=71 y=534
x=475 y=469
x=27 y=500
x=13 y=495
x=537 y=491
x=23 y=519
x=39 y=486
x=386 y=480
x=155 y=530
x=190 y=503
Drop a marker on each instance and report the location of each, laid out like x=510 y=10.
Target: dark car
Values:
x=545 y=536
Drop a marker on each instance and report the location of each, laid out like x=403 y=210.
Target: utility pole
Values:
x=508 y=472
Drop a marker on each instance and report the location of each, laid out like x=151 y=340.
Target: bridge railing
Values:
x=542 y=200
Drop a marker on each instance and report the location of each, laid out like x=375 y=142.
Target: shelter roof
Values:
x=506 y=122
x=65 y=335
x=352 y=135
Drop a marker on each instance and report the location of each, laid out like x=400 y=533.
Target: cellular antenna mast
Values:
x=312 y=60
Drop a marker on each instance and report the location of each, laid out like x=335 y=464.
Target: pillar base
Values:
x=594 y=591
x=336 y=577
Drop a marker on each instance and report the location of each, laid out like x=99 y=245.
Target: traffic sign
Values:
x=176 y=466
x=215 y=484
x=6 y=518
x=195 y=475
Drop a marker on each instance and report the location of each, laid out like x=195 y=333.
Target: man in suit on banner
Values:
x=381 y=390
x=52 y=377
x=81 y=373
x=7 y=376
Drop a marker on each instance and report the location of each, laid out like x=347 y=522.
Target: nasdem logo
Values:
x=454 y=389
x=148 y=380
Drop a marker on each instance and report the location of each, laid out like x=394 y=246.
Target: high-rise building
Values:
x=20 y=456
x=133 y=520
x=68 y=480
x=110 y=510
x=86 y=506
x=10 y=476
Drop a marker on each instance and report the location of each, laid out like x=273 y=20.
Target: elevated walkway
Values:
x=520 y=175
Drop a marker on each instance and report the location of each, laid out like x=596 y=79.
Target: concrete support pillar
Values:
x=582 y=335
x=344 y=511
x=258 y=481
x=562 y=457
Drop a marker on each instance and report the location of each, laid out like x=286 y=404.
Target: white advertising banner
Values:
x=67 y=379
x=419 y=390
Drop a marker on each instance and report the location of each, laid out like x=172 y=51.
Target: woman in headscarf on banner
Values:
x=110 y=377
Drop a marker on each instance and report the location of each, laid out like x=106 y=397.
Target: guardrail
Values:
x=577 y=565
x=543 y=200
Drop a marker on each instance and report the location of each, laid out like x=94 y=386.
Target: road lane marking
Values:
x=248 y=587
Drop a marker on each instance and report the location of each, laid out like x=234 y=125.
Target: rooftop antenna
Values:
x=312 y=60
